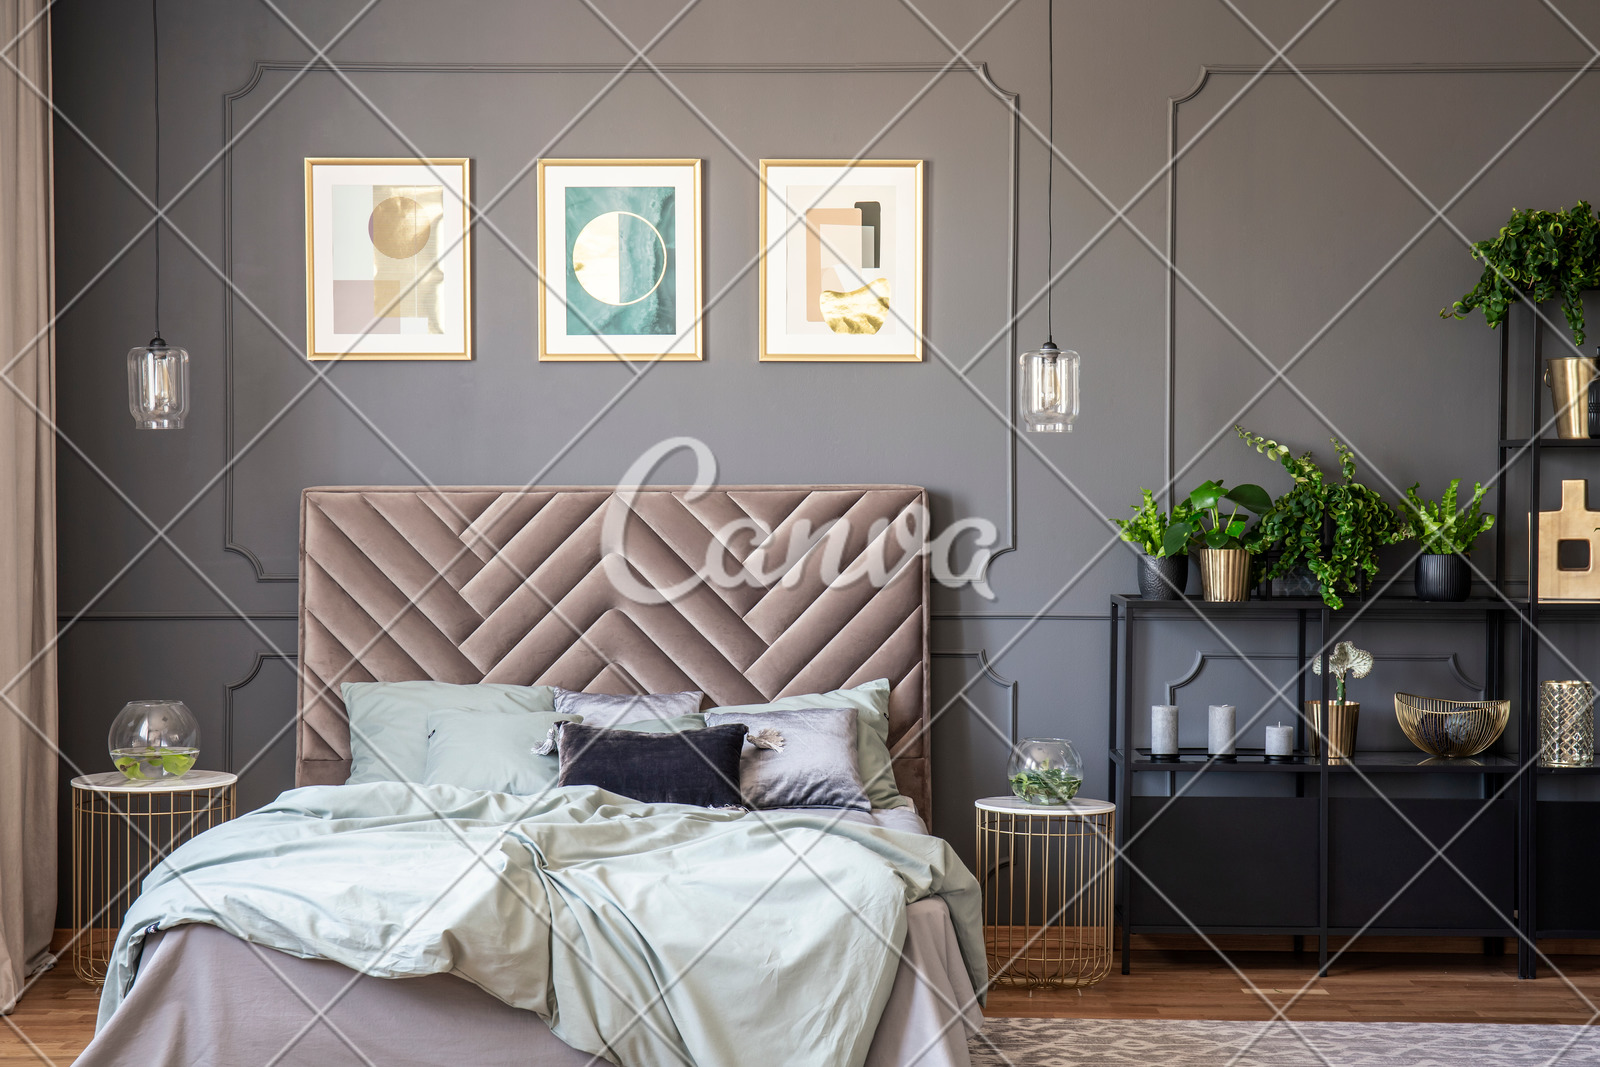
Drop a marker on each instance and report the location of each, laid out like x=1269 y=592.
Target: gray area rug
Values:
x=1170 y=1043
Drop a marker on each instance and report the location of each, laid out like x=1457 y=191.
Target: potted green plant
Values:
x=1343 y=715
x=1164 y=568
x=1539 y=256
x=1332 y=528
x=1220 y=542
x=1447 y=531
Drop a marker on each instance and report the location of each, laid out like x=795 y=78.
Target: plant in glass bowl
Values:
x=154 y=739
x=1164 y=568
x=1044 y=770
x=1447 y=530
x=1219 y=532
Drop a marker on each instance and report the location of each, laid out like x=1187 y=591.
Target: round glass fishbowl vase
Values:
x=152 y=739
x=1044 y=770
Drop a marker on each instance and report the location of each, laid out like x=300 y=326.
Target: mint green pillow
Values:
x=871 y=701
x=491 y=750
x=392 y=718
x=675 y=725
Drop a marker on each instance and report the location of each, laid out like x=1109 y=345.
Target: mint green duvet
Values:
x=648 y=934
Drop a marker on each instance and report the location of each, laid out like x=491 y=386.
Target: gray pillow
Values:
x=490 y=750
x=871 y=701
x=392 y=718
x=608 y=710
x=815 y=767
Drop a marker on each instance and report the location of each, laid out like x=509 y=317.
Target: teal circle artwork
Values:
x=621 y=268
x=619 y=258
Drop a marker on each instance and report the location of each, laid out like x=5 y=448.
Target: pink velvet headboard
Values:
x=512 y=585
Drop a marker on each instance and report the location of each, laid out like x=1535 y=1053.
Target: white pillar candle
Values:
x=1219 y=736
x=1163 y=729
x=1280 y=740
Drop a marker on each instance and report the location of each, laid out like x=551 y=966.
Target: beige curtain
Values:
x=27 y=505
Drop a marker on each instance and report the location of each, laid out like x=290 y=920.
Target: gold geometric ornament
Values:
x=1569 y=547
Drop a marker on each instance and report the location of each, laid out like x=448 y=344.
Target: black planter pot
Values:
x=1442 y=577
x=1155 y=574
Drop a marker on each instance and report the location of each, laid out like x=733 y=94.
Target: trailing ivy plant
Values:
x=1333 y=528
x=1149 y=525
x=1538 y=255
x=1444 y=526
x=1208 y=501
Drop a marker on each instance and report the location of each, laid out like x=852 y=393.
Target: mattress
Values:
x=203 y=995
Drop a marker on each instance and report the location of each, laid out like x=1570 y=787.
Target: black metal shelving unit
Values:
x=1127 y=760
x=1517 y=450
x=1566 y=852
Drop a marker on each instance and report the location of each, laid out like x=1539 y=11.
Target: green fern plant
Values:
x=1333 y=528
x=1445 y=526
x=1149 y=525
x=1538 y=255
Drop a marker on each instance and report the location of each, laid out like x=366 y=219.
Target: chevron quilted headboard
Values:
x=536 y=586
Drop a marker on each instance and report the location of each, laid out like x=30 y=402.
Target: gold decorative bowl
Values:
x=1451 y=728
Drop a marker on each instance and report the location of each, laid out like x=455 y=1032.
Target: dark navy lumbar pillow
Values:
x=694 y=767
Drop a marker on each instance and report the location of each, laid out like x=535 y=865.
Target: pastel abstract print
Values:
x=841 y=272
x=388 y=260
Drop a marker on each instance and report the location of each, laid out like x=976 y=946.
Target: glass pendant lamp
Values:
x=1049 y=375
x=158 y=373
x=1049 y=389
x=158 y=385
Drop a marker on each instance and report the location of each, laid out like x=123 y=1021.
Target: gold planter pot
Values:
x=1340 y=727
x=1225 y=573
x=1569 y=380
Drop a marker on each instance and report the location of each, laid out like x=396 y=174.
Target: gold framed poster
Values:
x=619 y=259
x=388 y=259
x=841 y=269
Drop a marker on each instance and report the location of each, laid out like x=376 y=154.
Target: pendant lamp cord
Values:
x=1050 y=177
x=155 y=76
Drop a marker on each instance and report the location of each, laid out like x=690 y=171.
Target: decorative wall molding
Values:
x=178 y=616
x=1207 y=71
x=231 y=541
x=229 y=688
x=1201 y=658
x=986 y=669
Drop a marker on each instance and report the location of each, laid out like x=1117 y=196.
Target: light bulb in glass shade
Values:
x=1049 y=389
x=154 y=739
x=158 y=385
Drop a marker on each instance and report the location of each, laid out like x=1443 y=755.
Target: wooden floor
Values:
x=57 y=1014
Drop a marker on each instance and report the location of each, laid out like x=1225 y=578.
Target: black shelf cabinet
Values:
x=1319 y=873
x=1554 y=893
x=1544 y=877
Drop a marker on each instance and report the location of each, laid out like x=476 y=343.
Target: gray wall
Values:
x=1282 y=215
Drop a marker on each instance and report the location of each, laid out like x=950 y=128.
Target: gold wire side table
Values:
x=1048 y=873
x=120 y=830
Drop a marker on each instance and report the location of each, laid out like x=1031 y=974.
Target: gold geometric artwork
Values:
x=1569 y=547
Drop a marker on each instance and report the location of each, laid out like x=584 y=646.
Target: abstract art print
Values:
x=841 y=260
x=619 y=259
x=388 y=259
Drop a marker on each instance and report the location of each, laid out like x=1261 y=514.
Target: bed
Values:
x=812 y=589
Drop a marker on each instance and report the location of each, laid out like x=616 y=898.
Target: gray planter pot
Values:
x=1163 y=577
